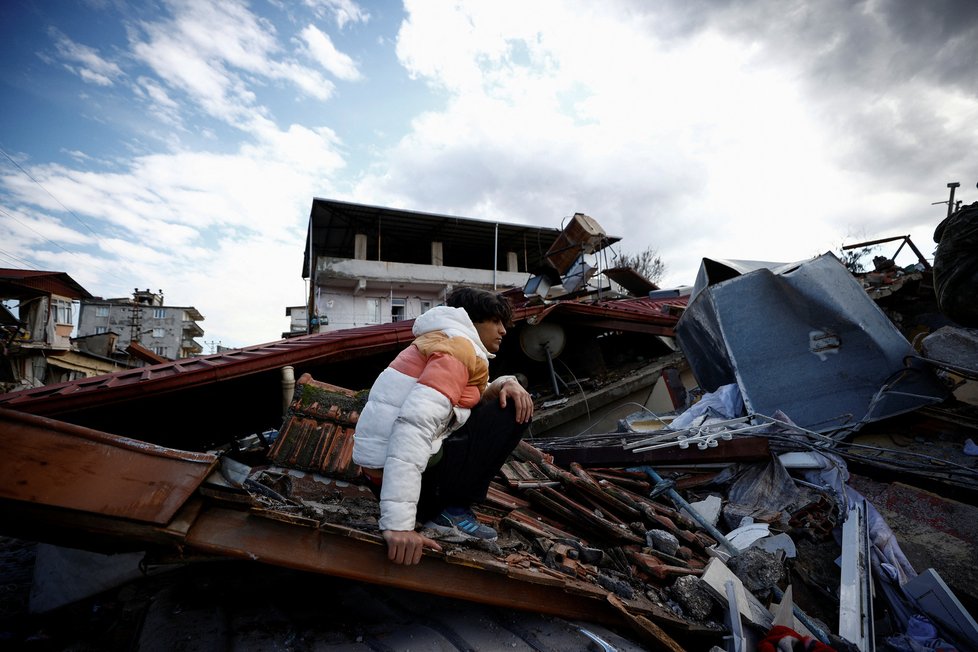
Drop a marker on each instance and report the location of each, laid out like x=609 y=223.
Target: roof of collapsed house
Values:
x=26 y=283
x=605 y=527
x=119 y=402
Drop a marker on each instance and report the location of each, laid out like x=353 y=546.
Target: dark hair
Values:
x=481 y=305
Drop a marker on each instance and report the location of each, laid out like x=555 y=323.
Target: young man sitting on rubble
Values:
x=434 y=431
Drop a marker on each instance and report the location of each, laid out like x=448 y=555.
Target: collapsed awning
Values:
x=89 y=368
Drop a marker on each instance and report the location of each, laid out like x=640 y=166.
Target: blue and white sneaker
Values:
x=461 y=522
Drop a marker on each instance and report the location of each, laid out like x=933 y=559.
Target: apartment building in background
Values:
x=143 y=319
x=373 y=265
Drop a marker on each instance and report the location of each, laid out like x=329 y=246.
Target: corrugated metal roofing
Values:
x=119 y=386
x=47 y=462
x=17 y=283
x=642 y=315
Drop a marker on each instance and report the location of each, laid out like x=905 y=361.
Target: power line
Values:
x=19 y=260
x=25 y=262
x=68 y=210
x=37 y=232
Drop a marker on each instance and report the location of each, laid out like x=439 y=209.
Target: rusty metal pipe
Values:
x=681 y=502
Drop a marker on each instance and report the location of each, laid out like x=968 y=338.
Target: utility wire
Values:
x=37 y=232
x=29 y=176
x=19 y=261
x=68 y=210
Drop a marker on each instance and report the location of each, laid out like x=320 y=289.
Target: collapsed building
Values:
x=767 y=451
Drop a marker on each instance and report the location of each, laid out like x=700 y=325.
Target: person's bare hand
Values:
x=513 y=391
x=406 y=546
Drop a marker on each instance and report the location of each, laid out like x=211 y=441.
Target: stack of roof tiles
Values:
x=317 y=434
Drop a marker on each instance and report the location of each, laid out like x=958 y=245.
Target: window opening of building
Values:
x=101 y=329
x=425 y=306
x=160 y=350
x=101 y=311
x=159 y=332
x=62 y=311
x=398 y=309
x=159 y=313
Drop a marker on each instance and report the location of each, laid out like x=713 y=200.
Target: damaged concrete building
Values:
x=372 y=265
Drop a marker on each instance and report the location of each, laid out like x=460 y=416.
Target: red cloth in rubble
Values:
x=785 y=639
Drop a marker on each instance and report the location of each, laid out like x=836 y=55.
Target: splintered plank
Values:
x=645 y=627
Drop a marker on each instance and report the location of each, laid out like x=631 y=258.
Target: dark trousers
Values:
x=471 y=456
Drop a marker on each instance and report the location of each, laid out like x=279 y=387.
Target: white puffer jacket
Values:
x=424 y=395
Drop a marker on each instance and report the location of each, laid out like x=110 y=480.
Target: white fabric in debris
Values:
x=725 y=403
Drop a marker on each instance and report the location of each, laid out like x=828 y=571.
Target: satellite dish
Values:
x=543 y=341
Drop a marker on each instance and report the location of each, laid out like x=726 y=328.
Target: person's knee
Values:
x=517 y=429
x=498 y=420
x=509 y=414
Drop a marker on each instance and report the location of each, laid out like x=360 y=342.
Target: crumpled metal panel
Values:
x=717 y=270
x=804 y=339
x=49 y=463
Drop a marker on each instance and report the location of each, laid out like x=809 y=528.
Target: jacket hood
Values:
x=453 y=322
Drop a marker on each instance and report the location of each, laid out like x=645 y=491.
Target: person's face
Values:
x=491 y=333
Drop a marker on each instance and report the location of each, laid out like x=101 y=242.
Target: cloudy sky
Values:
x=178 y=144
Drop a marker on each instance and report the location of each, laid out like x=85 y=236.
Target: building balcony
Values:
x=191 y=346
x=192 y=329
x=357 y=276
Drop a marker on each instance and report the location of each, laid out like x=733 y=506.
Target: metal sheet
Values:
x=54 y=464
x=855 y=581
x=238 y=534
x=123 y=386
x=805 y=340
x=631 y=280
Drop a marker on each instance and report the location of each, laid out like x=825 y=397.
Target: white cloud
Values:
x=92 y=77
x=206 y=83
x=226 y=32
x=321 y=49
x=215 y=52
x=308 y=80
x=197 y=224
x=157 y=93
x=86 y=62
x=714 y=144
x=343 y=11
x=27 y=229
